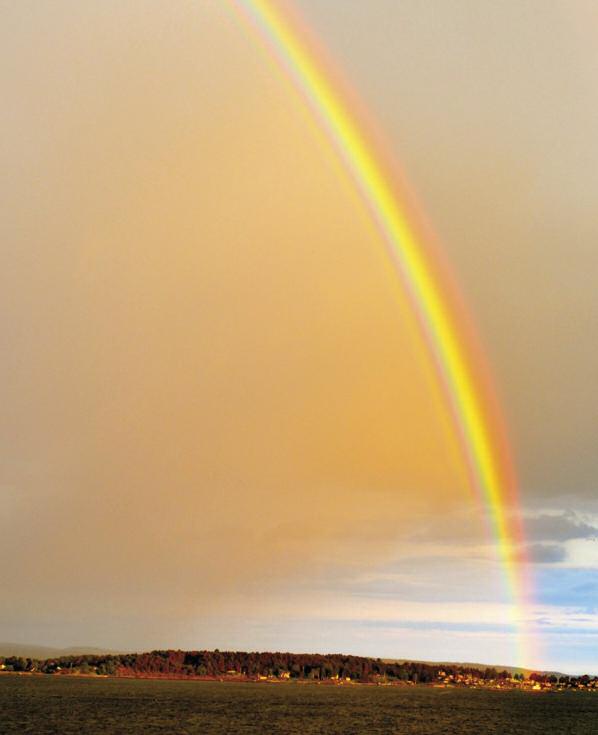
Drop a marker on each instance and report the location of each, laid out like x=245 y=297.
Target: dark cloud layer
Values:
x=546 y=553
x=559 y=527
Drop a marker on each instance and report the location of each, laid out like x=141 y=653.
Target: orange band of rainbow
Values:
x=483 y=441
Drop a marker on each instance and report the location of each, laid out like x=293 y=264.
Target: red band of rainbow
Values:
x=470 y=400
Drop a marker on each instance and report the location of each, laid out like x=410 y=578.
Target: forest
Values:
x=255 y=666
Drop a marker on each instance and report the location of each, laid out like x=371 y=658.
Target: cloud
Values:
x=546 y=553
x=559 y=526
x=583 y=553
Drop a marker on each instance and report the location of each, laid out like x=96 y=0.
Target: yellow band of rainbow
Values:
x=492 y=477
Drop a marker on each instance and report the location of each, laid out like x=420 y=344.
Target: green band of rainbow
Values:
x=492 y=478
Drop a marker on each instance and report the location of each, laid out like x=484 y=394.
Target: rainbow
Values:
x=469 y=396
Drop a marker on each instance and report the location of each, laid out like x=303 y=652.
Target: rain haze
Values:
x=221 y=425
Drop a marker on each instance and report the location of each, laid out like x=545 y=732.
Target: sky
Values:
x=220 y=423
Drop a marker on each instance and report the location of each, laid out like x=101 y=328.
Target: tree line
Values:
x=218 y=664
x=249 y=664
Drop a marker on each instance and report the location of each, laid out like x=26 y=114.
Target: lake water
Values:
x=33 y=704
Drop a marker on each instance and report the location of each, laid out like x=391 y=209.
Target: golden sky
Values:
x=213 y=372
x=213 y=388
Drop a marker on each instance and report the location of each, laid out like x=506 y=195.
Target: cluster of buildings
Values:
x=535 y=682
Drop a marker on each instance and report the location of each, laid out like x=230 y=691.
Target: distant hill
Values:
x=43 y=652
x=465 y=665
